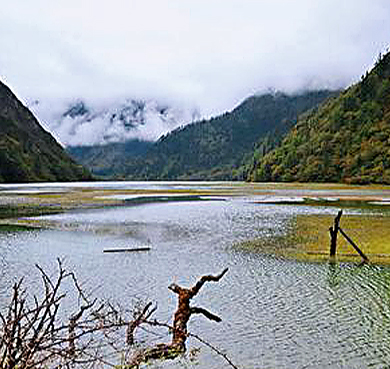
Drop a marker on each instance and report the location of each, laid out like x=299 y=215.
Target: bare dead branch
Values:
x=197 y=337
x=33 y=336
x=207 y=278
x=207 y=314
x=145 y=314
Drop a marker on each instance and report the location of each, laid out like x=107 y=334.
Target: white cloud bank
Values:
x=81 y=123
x=210 y=53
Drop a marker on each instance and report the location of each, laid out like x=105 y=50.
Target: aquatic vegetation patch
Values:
x=351 y=202
x=27 y=210
x=306 y=237
x=167 y=198
x=8 y=228
x=370 y=231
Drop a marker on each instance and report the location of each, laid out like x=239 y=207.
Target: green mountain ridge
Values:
x=27 y=152
x=211 y=149
x=103 y=160
x=346 y=139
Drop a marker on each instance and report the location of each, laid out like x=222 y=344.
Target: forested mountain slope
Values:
x=347 y=139
x=210 y=149
x=27 y=152
x=109 y=160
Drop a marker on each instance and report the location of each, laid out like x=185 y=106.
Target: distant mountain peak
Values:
x=85 y=124
x=76 y=110
x=207 y=149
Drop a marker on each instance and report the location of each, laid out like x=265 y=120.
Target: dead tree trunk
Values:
x=184 y=310
x=333 y=233
x=181 y=318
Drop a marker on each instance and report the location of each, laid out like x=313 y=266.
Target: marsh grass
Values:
x=8 y=228
x=371 y=232
x=24 y=213
x=307 y=238
x=11 y=211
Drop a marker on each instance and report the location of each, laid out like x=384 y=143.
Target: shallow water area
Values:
x=276 y=313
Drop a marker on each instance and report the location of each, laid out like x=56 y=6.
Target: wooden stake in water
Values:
x=360 y=252
x=333 y=233
x=333 y=238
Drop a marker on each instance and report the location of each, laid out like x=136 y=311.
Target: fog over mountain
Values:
x=209 y=54
x=82 y=123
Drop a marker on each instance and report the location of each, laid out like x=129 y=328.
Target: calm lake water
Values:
x=275 y=313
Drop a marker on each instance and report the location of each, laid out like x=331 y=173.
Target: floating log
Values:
x=128 y=250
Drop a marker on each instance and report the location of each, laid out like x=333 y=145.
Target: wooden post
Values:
x=333 y=233
x=360 y=252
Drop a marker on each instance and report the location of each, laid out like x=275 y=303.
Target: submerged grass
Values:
x=20 y=210
x=371 y=232
x=7 y=228
x=307 y=238
x=12 y=211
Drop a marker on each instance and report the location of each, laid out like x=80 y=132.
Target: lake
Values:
x=276 y=312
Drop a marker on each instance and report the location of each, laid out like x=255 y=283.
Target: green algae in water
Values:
x=8 y=228
x=306 y=237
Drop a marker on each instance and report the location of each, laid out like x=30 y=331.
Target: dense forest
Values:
x=207 y=150
x=27 y=152
x=108 y=160
x=347 y=139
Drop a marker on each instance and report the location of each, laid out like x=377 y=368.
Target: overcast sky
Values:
x=210 y=53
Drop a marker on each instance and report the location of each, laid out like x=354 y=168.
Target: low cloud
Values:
x=210 y=54
x=83 y=123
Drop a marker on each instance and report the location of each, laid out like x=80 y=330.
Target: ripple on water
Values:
x=276 y=313
x=318 y=315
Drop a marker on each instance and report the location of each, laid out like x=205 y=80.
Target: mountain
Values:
x=347 y=139
x=209 y=149
x=107 y=160
x=81 y=123
x=27 y=152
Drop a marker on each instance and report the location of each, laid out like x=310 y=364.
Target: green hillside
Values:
x=347 y=139
x=109 y=160
x=27 y=152
x=207 y=150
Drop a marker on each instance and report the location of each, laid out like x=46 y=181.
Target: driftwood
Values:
x=127 y=250
x=179 y=329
